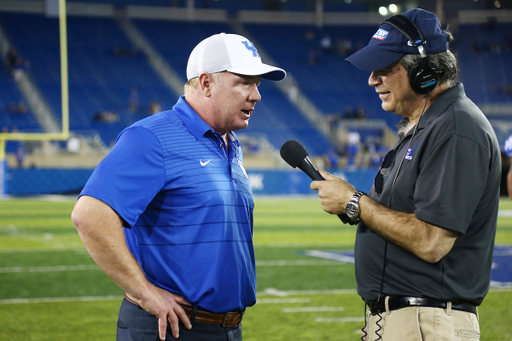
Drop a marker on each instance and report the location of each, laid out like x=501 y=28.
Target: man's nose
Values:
x=373 y=79
x=255 y=95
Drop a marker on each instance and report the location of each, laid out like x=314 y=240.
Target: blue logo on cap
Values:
x=250 y=47
x=381 y=34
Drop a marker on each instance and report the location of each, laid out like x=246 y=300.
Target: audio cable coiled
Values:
x=377 y=332
x=365 y=327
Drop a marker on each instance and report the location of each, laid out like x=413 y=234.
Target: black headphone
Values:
x=424 y=74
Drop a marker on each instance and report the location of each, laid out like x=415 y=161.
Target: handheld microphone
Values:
x=296 y=156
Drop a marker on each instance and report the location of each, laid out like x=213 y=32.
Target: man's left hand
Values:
x=334 y=192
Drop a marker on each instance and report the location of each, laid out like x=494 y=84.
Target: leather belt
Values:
x=398 y=302
x=229 y=319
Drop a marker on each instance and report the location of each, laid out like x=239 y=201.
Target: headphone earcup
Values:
x=424 y=75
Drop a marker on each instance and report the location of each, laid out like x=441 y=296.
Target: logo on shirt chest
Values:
x=410 y=151
x=204 y=163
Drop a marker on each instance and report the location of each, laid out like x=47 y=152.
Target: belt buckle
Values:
x=226 y=315
x=224 y=320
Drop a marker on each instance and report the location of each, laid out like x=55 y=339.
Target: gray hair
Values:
x=446 y=61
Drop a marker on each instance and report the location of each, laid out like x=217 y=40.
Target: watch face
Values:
x=352 y=210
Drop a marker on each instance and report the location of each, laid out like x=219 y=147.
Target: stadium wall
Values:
x=44 y=181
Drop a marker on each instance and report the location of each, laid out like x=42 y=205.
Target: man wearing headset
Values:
x=425 y=237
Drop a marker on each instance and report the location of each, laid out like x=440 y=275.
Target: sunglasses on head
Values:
x=379 y=178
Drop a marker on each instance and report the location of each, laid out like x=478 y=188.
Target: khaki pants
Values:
x=424 y=324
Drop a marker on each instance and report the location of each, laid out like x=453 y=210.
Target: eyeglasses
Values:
x=386 y=163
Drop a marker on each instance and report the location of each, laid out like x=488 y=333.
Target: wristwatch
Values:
x=352 y=208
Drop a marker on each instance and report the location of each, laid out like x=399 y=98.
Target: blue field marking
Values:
x=501 y=273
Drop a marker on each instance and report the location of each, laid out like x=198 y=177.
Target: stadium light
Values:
x=383 y=10
x=393 y=8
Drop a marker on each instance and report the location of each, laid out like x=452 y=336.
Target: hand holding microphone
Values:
x=296 y=156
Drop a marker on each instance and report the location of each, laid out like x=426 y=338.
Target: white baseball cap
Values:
x=230 y=52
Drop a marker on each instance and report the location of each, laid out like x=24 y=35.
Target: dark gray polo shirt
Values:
x=450 y=177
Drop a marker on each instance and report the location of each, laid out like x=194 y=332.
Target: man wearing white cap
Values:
x=168 y=214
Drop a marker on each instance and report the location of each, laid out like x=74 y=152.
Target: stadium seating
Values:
x=15 y=115
x=14 y=110
x=100 y=79
x=329 y=81
x=484 y=55
x=233 y=6
x=275 y=117
x=484 y=52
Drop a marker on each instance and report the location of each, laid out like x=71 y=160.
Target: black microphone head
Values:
x=293 y=153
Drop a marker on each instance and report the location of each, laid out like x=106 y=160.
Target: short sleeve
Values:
x=451 y=183
x=130 y=176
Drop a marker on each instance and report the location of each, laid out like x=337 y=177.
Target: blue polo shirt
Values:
x=187 y=206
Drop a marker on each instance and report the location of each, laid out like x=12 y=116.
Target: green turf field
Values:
x=52 y=290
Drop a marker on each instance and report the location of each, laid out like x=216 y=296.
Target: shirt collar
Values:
x=195 y=123
x=440 y=105
x=190 y=118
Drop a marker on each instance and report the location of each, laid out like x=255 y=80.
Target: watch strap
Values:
x=357 y=195
x=355 y=200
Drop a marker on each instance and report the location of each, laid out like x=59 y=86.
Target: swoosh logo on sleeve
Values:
x=204 y=163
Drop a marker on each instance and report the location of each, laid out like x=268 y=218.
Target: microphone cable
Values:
x=379 y=327
x=412 y=137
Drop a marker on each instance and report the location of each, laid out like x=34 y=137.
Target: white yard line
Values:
x=19 y=269
x=75 y=250
x=50 y=197
x=339 y=319
x=505 y=213
x=282 y=300
x=311 y=309
x=282 y=294
x=59 y=299
x=295 y=262
x=115 y=297
x=49 y=268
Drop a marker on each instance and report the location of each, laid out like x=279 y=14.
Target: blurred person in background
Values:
x=133 y=100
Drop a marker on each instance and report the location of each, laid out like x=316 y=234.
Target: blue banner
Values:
x=275 y=182
x=35 y=181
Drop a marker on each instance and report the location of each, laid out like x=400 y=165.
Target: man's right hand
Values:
x=166 y=307
x=101 y=231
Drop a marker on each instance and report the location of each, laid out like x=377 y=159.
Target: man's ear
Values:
x=205 y=83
